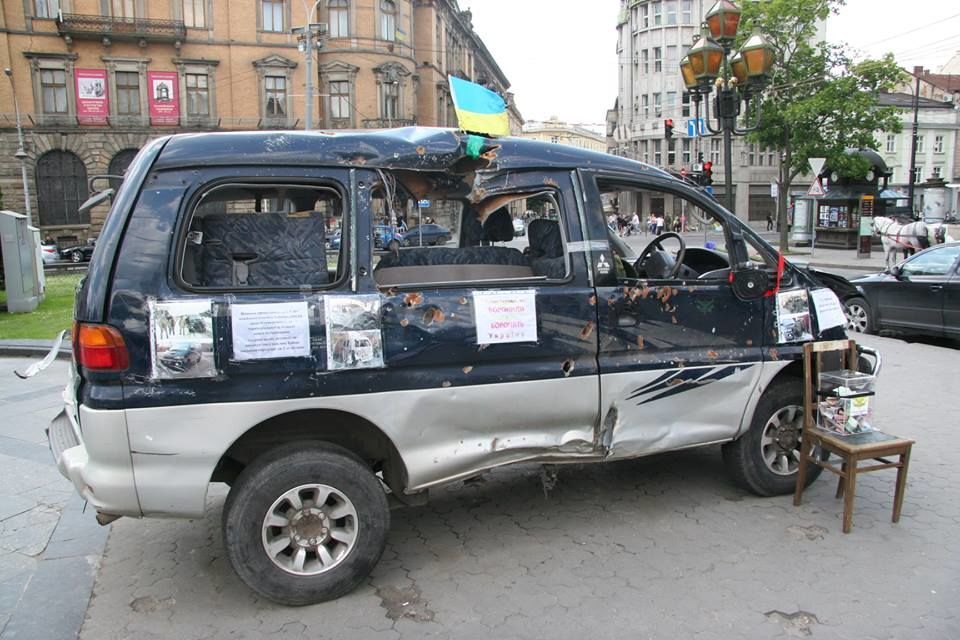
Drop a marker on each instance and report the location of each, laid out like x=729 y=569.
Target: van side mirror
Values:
x=750 y=284
x=895 y=271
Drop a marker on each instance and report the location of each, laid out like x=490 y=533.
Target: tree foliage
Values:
x=820 y=101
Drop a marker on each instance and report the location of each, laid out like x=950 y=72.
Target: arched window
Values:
x=388 y=20
x=61 y=180
x=339 y=18
x=118 y=165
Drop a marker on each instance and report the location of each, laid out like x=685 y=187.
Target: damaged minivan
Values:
x=320 y=379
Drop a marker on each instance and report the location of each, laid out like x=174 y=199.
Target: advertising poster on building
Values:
x=93 y=101
x=164 y=97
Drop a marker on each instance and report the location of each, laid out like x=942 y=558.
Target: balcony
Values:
x=388 y=123
x=96 y=27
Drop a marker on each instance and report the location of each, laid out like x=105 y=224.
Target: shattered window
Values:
x=244 y=236
x=426 y=234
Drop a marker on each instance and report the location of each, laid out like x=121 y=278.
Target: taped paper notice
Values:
x=182 y=339
x=829 y=310
x=505 y=316
x=270 y=330
x=793 y=316
x=353 y=332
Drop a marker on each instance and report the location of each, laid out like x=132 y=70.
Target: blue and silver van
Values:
x=322 y=383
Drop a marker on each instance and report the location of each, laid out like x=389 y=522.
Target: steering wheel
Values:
x=662 y=265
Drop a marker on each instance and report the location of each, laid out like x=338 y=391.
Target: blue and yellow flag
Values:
x=479 y=110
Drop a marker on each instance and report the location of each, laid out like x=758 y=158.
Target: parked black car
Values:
x=426 y=235
x=919 y=296
x=78 y=253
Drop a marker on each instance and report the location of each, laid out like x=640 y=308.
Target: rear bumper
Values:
x=96 y=458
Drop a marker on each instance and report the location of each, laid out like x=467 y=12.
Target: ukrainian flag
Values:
x=479 y=110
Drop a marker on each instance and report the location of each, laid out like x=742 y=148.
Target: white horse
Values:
x=908 y=237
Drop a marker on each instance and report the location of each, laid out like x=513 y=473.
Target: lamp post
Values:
x=21 y=153
x=306 y=45
x=913 y=141
x=738 y=78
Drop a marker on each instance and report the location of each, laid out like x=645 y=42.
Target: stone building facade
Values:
x=553 y=130
x=95 y=79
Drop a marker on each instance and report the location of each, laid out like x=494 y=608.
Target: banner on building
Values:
x=164 y=97
x=93 y=102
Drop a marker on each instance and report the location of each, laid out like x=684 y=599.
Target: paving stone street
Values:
x=663 y=547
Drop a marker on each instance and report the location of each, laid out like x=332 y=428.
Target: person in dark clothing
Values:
x=769 y=222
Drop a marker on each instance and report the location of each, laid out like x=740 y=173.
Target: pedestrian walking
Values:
x=659 y=223
x=769 y=222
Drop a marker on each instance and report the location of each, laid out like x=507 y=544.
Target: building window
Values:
x=657 y=59
x=672 y=60
x=645 y=101
x=685 y=104
x=275 y=92
x=686 y=7
x=340 y=100
x=715 y=151
x=919 y=144
x=44 y=9
x=61 y=180
x=272 y=15
x=657 y=9
x=891 y=143
x=657 y=156
x=53 y=91
x=657 y=106
x=645 y=16
x=671 y=11
x=388 y=20
x=390 y=100
x=671 y=153
x=937 y=172
x=686 y=150
x=938 y=144
x=128 y=93
x=671 y=101
x=198 y=95
x=195 y=13
x=339 y=18
x=918 y=174
x=645 y=149
x=645 y=57
x=123 y=8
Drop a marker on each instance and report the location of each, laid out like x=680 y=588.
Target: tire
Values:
x=76 y=257
x=859 y=317
x=406 y=242
x=297 y=573
x=765 y=459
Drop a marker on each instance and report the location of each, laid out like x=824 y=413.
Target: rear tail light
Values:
x=99 y=347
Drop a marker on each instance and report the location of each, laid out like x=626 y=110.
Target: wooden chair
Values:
x=851 y=449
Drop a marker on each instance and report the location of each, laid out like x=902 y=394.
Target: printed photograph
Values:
x=162 y=90
x=793 y=302
x=795 y=329
x=182 y=339
x=353 y=332
x=90 y=88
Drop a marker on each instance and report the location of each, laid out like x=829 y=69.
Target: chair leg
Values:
x=841 y=480
x=805 y=448
x=901 y=483
x=849 y=491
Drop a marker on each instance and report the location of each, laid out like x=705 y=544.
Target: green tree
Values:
x=820 y=101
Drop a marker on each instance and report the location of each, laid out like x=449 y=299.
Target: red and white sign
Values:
x=164 y=97
x=505 y=316
x=93 y=101
x=816 y=189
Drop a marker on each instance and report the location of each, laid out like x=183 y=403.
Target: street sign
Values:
x=816 y=189
x=423 y=204
x=816 y=165
x=774 y=189
x=696 y=127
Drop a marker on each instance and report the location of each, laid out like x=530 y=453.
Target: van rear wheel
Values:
x=766 y=458
x=305 y=523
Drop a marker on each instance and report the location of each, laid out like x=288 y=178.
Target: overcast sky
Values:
x=560 y=55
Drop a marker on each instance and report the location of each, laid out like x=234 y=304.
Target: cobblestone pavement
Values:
x=663 y=547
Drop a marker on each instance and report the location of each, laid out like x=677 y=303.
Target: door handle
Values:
x=626 y=321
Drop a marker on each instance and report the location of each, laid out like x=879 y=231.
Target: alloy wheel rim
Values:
x=780 y=440
x=310 y=529
x=856 y=318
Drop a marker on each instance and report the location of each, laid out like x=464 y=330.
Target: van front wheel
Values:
x=305 y=523
x=766 y=458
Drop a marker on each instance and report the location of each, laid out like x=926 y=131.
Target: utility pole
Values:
x=917 y=71
x=21 y=153
x=306 y=45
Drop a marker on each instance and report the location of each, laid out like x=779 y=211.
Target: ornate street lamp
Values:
x=737 y=76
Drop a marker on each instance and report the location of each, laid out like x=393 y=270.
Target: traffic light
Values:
x=700 y=157
x=707 y=173
x=668 y=128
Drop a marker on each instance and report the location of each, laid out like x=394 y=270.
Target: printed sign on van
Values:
x=505 y=316
x=164 y=96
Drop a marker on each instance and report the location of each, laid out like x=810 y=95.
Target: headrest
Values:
x=545 y=239
x=498 y=227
